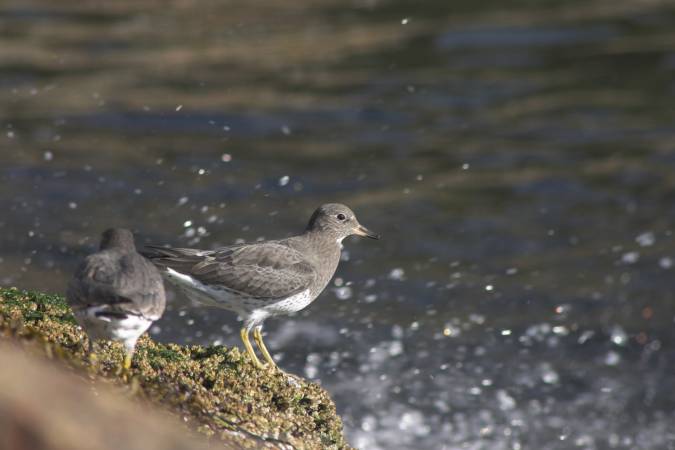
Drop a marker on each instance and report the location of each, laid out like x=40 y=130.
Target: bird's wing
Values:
x=266 y=270
x=119 y=284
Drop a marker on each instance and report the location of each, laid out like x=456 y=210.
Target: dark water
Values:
x=518 y=158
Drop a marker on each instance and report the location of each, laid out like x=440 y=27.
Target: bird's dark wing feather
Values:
x=122 y=283
x=266 y=270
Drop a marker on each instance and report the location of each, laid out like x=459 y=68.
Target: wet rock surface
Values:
x=215 y=391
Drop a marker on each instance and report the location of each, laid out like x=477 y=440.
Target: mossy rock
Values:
x=215 y=390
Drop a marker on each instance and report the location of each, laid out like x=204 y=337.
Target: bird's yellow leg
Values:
x=249 y=349
x=125 y=373
x=257 y=335
x=127 y=361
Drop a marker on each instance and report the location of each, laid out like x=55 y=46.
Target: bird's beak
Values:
x=363 y=231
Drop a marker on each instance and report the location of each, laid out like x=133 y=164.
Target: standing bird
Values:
x=116 y=293
x=263 y=279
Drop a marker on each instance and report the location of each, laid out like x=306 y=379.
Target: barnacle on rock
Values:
x=216 y=390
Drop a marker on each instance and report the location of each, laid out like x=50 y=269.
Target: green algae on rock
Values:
x=215 y=390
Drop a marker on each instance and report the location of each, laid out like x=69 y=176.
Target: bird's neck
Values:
x=325 y=249
x=323 y=242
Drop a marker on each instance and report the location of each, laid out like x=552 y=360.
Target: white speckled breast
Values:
x=291 y=304
x=227 y=299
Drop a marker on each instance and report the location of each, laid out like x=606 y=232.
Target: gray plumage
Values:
x=270 y=270
x=263 y=279
x=116 y=293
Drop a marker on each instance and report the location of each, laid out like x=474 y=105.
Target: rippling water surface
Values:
x=518 y=157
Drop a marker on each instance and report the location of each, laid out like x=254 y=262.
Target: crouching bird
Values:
x=116 y=293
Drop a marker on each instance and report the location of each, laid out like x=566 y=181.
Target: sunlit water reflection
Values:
x=518 y=160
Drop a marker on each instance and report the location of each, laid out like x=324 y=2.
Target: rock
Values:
x=42 y=407
x=214 y=390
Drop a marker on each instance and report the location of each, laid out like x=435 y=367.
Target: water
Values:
x=516 y=156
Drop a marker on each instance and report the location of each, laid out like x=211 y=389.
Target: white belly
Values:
x=223 y=298
x=126 y=330
x=290 y=304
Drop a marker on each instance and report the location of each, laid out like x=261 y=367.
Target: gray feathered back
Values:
x=119 y=278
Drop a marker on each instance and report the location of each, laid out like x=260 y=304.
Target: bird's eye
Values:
x=341 y=216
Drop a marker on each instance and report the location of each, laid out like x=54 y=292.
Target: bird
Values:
x=263 y=279
x=116 y=293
